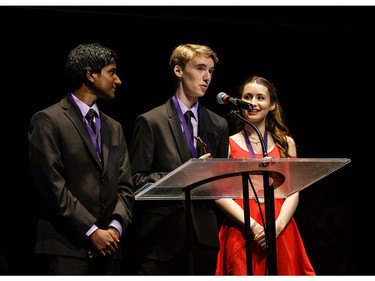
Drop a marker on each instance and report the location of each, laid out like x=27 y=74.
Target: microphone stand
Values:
x=270 y=232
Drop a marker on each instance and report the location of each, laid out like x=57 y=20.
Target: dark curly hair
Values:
x=87 y=57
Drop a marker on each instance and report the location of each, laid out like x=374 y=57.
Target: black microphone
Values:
x=234 y=103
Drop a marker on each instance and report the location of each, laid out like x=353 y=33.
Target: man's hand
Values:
x=104 y=242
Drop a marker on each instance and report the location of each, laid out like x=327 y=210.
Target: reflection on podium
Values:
x=222 y=178
x=216 y=178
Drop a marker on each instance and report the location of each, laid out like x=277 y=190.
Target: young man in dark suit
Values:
x=160 y=143
x=81 y=170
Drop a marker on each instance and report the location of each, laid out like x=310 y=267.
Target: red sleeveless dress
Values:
x=292 y=258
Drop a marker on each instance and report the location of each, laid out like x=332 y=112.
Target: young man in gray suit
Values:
x=81 y=170
x=160 y=143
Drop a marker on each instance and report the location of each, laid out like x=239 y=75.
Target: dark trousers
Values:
x=61 y=265
x=203 y=263
x=159 y=252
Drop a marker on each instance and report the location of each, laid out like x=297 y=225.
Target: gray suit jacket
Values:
x=76 y=189
x=159 y=146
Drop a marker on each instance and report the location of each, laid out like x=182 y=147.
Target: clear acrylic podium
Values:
x=216 y=178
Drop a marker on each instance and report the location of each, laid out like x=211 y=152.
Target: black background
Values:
x=320 y=58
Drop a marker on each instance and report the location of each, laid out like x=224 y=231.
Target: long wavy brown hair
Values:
x=275 y=120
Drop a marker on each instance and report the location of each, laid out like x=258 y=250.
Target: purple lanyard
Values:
x=95 y=142
x=188 y=137
x=249 y=146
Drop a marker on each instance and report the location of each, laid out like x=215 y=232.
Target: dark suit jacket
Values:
x=159 y=146
x=76 y=189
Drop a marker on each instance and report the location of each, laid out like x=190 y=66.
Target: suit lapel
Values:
x=105 y=141
x=203 y=128
x=179 y=137
x=74 y=115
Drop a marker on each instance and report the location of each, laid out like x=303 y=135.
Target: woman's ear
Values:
x=272 y=107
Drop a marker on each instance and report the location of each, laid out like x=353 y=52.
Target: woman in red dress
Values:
x=292 y=259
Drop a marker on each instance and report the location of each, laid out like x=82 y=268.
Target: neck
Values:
x=188 y=101
x=85 y=96
x=252 y=133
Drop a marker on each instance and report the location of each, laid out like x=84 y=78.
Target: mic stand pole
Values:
x=270 y=232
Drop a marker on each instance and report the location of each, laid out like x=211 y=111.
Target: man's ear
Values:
x=177 y=70
x=89 y=76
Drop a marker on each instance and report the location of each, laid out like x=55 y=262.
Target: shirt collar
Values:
x=84 y=108
x=194 y=109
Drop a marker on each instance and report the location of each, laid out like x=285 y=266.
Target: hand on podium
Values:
x=205 y=156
